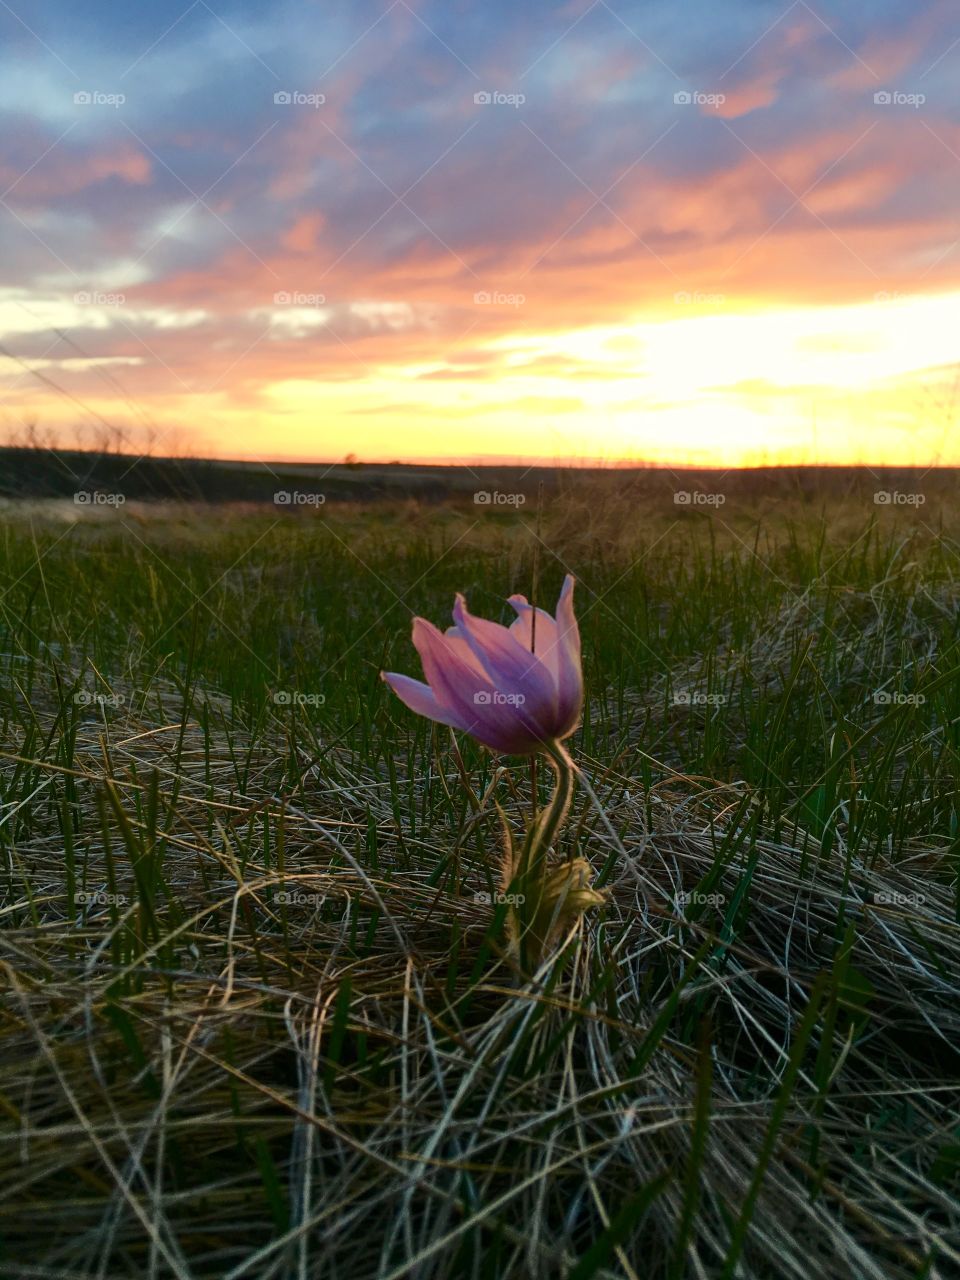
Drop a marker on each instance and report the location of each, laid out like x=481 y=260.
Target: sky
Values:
x=687 y=234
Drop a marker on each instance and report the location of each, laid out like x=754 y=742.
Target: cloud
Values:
x=67 y=173
x=398 y=198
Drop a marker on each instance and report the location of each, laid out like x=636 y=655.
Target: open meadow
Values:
x=259 y=1019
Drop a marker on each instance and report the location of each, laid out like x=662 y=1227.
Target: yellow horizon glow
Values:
x=720 y=383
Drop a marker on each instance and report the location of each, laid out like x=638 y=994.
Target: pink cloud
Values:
x=760 y=91
x=302 y=236
x=60 y=174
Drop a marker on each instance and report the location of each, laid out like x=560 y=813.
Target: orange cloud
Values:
x=63 y=173
x=303 y=235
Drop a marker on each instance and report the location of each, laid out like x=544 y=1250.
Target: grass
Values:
x=258 y=1020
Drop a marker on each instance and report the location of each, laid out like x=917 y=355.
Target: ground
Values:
x=258 y=1016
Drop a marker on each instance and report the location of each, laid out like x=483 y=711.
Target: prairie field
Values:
x=259 y=1019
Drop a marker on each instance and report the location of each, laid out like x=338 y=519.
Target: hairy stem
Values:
x=531 y=871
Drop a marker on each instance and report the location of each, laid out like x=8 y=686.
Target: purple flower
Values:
x=516 y=689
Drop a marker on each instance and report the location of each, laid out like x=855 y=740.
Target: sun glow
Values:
x=722 y=381
x=817 y=383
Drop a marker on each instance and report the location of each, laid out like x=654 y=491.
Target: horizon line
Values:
x=441 y=461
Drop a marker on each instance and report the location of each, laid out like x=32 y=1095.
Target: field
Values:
x=258 y=1019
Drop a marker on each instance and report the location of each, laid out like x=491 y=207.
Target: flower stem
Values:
x=549 y=822
x=531 y=872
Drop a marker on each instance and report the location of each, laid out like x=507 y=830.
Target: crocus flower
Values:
x=516 y=689
x=519 y=690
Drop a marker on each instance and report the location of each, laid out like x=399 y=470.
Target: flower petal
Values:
x=459 y=642
x=544 y=642
x=419 y=697
x=513 y=669
x=472 y=698
x=570 y=681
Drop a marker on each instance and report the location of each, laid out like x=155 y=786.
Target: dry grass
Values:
x=287 y=1042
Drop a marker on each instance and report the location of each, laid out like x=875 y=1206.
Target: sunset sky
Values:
x=432 y=229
